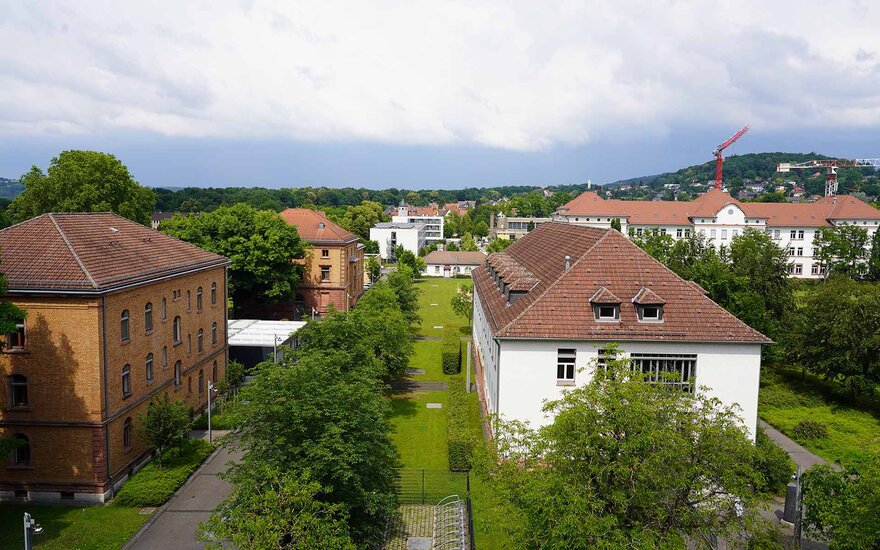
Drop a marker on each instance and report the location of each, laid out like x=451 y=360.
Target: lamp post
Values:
x=210 y=389
x=31 y=528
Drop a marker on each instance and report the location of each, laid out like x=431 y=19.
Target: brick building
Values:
x=334 y=267
x=116 y=314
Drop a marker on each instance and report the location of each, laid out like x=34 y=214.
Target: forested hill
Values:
x=10 y=188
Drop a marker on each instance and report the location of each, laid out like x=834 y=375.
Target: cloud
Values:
x=522 y=77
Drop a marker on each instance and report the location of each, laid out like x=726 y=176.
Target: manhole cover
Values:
x=419 y=543
x=435 y=405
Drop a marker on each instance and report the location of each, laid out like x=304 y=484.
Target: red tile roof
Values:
x=92 y=252
x=455 y=258
x=558 y=306
x=314 y=226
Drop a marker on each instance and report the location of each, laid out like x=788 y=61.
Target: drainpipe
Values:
x=106 y=397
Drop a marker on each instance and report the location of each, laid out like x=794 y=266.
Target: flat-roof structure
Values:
x=260 y=333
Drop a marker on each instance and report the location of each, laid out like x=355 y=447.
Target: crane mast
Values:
x=830 y=166
x=719 y=160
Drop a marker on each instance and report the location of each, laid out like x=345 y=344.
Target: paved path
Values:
x=802 y=457
x=413 y=385
x=174 y=525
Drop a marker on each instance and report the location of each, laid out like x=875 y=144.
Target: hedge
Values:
x=459 y=436
x=153 y=485
x=451 y=354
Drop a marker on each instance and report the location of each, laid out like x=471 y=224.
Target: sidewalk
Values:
x=801 y=457
x=174 y=525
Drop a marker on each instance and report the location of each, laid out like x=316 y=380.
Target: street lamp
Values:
x=210 y=389
x=31 y=528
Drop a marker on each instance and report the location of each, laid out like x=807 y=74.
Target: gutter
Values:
x=106 y=397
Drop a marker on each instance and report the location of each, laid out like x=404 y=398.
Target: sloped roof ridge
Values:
x=73 y=253
x=554 y=283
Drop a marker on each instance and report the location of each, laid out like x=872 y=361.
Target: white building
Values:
x=449 y=264
x=720 y=218
x=253 y=341
x=547 y=307
x=411 y=236
x=427 y=215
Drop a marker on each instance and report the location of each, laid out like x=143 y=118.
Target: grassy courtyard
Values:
x=93 y=527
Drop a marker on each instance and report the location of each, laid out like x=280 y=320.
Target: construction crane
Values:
x=719 y=160
x=830 y=166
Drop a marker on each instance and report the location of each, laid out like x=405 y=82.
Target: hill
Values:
x=10 y=188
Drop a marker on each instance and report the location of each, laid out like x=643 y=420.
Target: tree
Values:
x=10 y=314
x=498 y=245
x=765 y=298
x=165 y=423
x=83 y=181
x=481 y=229
x=463 y=302
x=451 y=247
x=405 y=257
x=842 y=248
x=656 y=243
x=841 y=506
x=874 y=258
x=402 y=283
x=359 y=219
x=626 y=463
x=190 y=206
x=261 y=246
x=468 y=244
x=615 y=224
x=374 y=270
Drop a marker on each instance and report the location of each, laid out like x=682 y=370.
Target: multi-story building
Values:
x=428 y=215
x=117 y=313
x=334 y=267
x=547 y=308
x=720 y=218
x=513 y=227
x=390 y=235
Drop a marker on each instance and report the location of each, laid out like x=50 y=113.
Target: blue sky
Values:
x=420 y=95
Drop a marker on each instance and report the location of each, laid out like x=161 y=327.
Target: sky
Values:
x=432 y=94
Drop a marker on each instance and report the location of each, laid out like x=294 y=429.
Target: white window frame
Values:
x=565 y=365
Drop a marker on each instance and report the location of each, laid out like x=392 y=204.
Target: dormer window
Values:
x=649 y=306
x=607 y=312
x=606 y=306
x=650 y=313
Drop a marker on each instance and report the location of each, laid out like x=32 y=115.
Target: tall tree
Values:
x=842 y=248
x=359 y=219
x=874 y=258
x=83 y=181
x=841 y=506
x=261 y=246
x=468 y=244
x=164 y=425
x=463 y=302
x=765 y=298
x=374 y=269
x=402 y=282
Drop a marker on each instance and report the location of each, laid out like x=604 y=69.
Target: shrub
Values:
x=153 y=485
x=451 y=354
x=773 y=465
x=219 y=421
x=810 y=429
x=459 y=438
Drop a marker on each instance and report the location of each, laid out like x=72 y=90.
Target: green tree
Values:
x=190 y=206
x=765 y=298
x=359 y=219
x=407 y=258
x=10 y=314
x=165 y=423
x=481 y=229
x=468 y=244
x=626 y=463
x=498 y=245
x=261 y=246
x=402 y=282
x=874 y=258
x=655 y=242
x=842 y=248
x=463 y=302
x=451 y=247
x=841 y=506
x=83 y=181
x=374 y=270
x=615 y=224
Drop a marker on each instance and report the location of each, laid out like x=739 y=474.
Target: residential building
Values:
x=512 y=227
x=334 y=267
x=720 y=218
x=449 y=264
x=547 y=308
x=428 y=215
x=159 y=217
x=390 y=235
x=117 y=313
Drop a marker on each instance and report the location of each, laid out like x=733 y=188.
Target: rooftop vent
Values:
x=320 y=225
x=114 y=230
x=567 y=263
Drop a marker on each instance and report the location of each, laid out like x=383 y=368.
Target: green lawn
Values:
x=420 y=432
x=94 y=527
x=853 y=429
x=440 y=292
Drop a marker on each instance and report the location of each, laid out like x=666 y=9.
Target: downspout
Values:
x=106 y=397
x=497 y=376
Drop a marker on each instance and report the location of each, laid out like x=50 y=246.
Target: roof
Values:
x=315 y=226
x=259 y=333
x=159 y=216
x=815 y=214
x=602 y=261
x=398 y=225
x=93 y=252
x=454 y=258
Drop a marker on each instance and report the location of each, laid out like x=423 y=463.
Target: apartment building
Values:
x=390 y=235
x=117 y=313
x=429 y=216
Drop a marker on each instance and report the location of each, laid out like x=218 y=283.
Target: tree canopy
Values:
x=841 y=506
x=83 y=181
x=843 y=249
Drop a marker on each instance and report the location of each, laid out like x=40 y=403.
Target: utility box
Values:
x=789 y=514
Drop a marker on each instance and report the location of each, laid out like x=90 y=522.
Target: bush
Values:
x=219 y=421
x=459 y=439
x=451 y=354
x=810 y=429
x=772 y=464
x=153 y=485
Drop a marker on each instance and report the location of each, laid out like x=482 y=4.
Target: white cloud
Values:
x=522 y=77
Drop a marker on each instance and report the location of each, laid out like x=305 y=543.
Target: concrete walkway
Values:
x=174 y=525
x=406 y=384
x=802 y=457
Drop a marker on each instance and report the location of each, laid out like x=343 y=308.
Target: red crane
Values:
x=719 y=160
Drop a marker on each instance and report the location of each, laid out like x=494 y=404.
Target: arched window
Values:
x=189 y=384
x=149 y=367
x=214 y=333
x=123 y=325
x=126 y=433
x=148 y=317
x=189 y=342
x=188 y=300
x=199 y=299
x=22 y=454
x=177 y=374
x=201 y=382
x=214 y=372
x=18 y=390
x=213 y=294
x=164 y=309
x=175 y=331
x=200 y=336
x=126 y=380
x=164 y=357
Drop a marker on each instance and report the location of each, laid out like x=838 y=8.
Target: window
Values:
x=177 y=337
x=201 y=382
x=126 y=381
x=126 y=433
x=214 y=372
x=200 y=336
x=177 y=374
x=801 y=234
x=678 y=232
x=607 y=312
x=21 y=456
x=189 y=342
x=164 y=357
x=565 y=359
x=798 y=269
x=188 y=300
x=776 y=233
x=793 y=234
x=213 y=294
x=724 y=234
x=736 y=233
x=639 y=231
x=15 y=340
x=214 y=333
x=791 y=251
x=800 y=251
x=712 y=233
x=199 y=299
x=650 y=312
x=687 y=232
x=325 y=273
x=18 y=391
x=674 y=370
x=189 y=384
x=164 y=309
x=436 y=269
x=148 y=317
x=149 y=367
x=123 y=325
x=325 y=253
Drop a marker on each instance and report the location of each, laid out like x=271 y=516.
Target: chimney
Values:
x=589 y=184
x=492 y=222
x=567 y=263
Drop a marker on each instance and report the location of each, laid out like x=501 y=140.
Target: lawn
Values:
x=420 y=432
x=853 y=428
x=93 y=527
x=440 y=292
